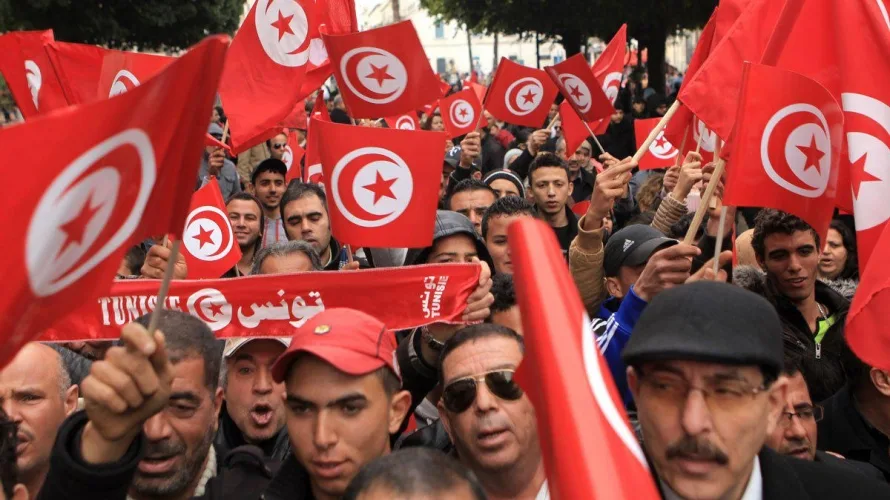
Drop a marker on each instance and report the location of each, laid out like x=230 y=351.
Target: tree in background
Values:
x=571 y=22
x=160 y=25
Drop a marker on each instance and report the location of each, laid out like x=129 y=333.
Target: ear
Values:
x=777 y=396
x=881 y=380
x=613 y=286
x=251 y=189
x=71 y=396
x=217 y=405
x=633 y=382
x=760 y=262
x=398 y=410
x=19 y=492
x=444 y=417
x=571 y=187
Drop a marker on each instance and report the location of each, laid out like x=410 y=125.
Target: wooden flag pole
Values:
x=704 y=206
x=552 y=122
x=225 y=133
x=698 y=146
x=655 y=131
x=165 y=287
x=682 y=147
x=595 y=140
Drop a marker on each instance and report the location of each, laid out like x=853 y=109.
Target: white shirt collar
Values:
x=544 y=492
x=754 y=490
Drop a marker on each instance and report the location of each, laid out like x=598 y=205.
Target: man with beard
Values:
x=704 y=368
x=36 y=393
x=267 y=184
x=248 y=221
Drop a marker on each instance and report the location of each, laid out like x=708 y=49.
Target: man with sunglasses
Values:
x=268 y=185
x=489 y=419
x=277 y=146
x=705 y=361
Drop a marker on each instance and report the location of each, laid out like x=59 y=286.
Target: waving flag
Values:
x=608 y=69
x=577 y=83
x=28 y=72
x=520 y=95
x=460 y=112
x=208 y=243
x=662 y=153
x=866 y=330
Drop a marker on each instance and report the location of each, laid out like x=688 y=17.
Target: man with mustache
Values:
x=705 y=361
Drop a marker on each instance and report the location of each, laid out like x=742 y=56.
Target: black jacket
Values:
x=229 y=437
x=855 y=466
x=792 y=478
x=584 y=185
x=844 y=430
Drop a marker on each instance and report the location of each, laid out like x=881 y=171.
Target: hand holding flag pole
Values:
x=644 y=147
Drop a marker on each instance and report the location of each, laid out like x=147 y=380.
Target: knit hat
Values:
x=507 y=175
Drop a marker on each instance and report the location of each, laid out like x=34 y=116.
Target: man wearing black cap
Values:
x=704 y=365
x=267 y=183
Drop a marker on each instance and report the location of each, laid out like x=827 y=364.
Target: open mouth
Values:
x=157 y=464
x=261 y=415
x=492 y=437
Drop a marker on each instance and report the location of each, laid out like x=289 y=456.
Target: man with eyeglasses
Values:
x=705 y=361
x=489 y=419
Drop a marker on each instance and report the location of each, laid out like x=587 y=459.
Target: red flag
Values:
x=730 y=10
x=662 y=153
x=520 y=95
x=208 y=244
x=408 y=121
x=338 y=18
x=444 y=87
x=209 y=140
x=786 y=147
x=28 y=72
x=313 y=172
x=126 y=174
x=460 y=112
x=382 y=184
x=123 y=71
x=573 y=128
x=576 y=82
x=293 y=154
x=609 y=68
x=479 y=90
x=698 y=131
x=866 y=329
x=298 y=118
x=266 y=66
x=382 y=72
x=588 y=446
x=320 y=109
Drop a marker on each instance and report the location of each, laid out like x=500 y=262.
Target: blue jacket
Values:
x=612 y=327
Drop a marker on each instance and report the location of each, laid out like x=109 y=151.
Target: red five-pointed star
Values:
x=858 y=175
x=283 y=25
x=215 y=309
x=577 y=94
x=75 y=227
x=529 y=96
x=203 y=236
x=660 y=142
x=380 y=74
x=462 y=112
x=813 y=154
x=381 y=188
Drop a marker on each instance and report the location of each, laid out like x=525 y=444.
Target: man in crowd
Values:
x=36 y=394
x=215 y=164
x=494 y=226
x=10 y=487
x=277 y=146
x=490 y=420
x=304 y=210
x=286 y=257
x=813 y=314
x=505 y=183
x=267 y=184
x=705 y=363
x=549 y=180
x=471 y=198
x=579 y=171
x=248 y=221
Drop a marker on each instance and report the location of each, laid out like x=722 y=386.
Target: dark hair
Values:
x=506 y=207
x=644 y=218
x=504 y=293
x=547 y=160
x=245 y=196
x=391 y=383
x=770 y=221
x=470 y=185
x=475 y=332
x=283 y=249
x=9 y=473
x=187 y=337
x=414 y=472
x=681 y=227
x=221 y=113
x=135 y=258
x=851 y=266
x=297 y=191
x=269 y=165
x=428 y=123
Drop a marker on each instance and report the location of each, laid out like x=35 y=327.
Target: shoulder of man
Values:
x=244 y=473
x=785 y=477
x=861 y=468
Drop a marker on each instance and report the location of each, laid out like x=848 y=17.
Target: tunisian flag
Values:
x=662 y=153
x=407 y=121
x=520 y=95
x=265 y=67
x=29 y=74
x=208 y=244
x=312 y=172
x=576 y=82
x=589 y=448
x=460 y=112
x=608 y=69
x=382 y=184
x=382 y=72
x=866 y=328
x=293 y=155
x=572 y=127
x=786 y=147
x=125 y=175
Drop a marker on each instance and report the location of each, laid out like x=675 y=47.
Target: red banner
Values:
x=274 y=305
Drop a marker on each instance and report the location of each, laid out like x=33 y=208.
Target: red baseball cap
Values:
x=352 y=341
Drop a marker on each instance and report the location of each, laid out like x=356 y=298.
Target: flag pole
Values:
x=717 y=248
x=225 y=133
x=655 y=131
x=682 y=147
x=597 y=141
x=703 y=207
x=165 y=287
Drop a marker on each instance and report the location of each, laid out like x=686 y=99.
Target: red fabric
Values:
x=866 y=328
x=383 y=71
x=266 y=67
x=208 y=244
x=461 y=112
x=520 y=95
x=609 y=68
x=662 y=153
x=407 y=121
x=293 y=153
x=320 y=109
x=581 y=207
x=313 y=173
x=338 y=18
x=209 y=140
x=787 y=146
x=29 y=74
x=120 y=170
x=479 y=90
x=297 y=117
x=274 y=305
x=576 y=82
x=588 y=447
x=382 y=184
x=122 y=71
x=444 y=87
x=573 y=128
x=730 y=10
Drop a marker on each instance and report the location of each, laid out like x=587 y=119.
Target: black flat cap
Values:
x=632 y=246
x=710 y=322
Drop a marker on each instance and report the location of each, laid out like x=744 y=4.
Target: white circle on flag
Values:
x=524 y=96
x=461 y=113
x=123 y=81
x=577 y=91
x=287 y=156
x=208 y=235
x=662 y=148
x=708 y=137
x=283 y=31
x=210 y=306
x=612 y=85
x=364 y=203
x=35 y=80
x=812 y=132
x=374 y=75
x=869 y=158
x=405 y=123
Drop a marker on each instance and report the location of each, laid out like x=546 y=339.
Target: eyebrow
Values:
x=802 y=406
x=354 y=397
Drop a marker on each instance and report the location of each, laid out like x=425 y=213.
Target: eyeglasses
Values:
x=721 y=395
x=804 y=414
x=278 y=146
x=460 y=394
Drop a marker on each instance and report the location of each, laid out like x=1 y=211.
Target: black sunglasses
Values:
x=279 y=146
x=460 y=394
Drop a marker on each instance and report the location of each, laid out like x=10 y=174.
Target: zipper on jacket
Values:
x=818 y=351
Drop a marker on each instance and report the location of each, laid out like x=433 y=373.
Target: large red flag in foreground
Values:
x=866 y=328
x=460 y=112
x=208 y=244
x=520 y=95
x=576 y=82
x=28 y=72
x=126 y=174
x=589 y=448
x=383 y=184
x=662 y=153
x=382 y=72
x=786 y=147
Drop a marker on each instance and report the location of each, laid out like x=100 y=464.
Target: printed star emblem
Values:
x=215 y=309
x=203 y=237
x=381 y=187
x=463 y=112
x=813 y=154
x=529 y=96
x=283 y=25
x=75 y=228
x=661 y=142
x=576 y=93
x=858 y=175
x=380 y=74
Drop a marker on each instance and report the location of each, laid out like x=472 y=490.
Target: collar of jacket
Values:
x=825 y=295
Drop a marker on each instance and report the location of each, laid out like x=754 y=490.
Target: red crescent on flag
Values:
x=346 y=182
x=777 y=140
x=350 y=71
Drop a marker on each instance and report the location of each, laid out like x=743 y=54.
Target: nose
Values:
x=157 y=428
x=262 y=383
x=324 y=436
x=696 y=418
x=305 y=227
x=476 y=219
x=485 y=400
x=551 y=191
x=825 y=249
x=794 y=264
x=795 y=429
x=12 y=409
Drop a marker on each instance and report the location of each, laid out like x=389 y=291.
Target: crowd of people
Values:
x=739 y=384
